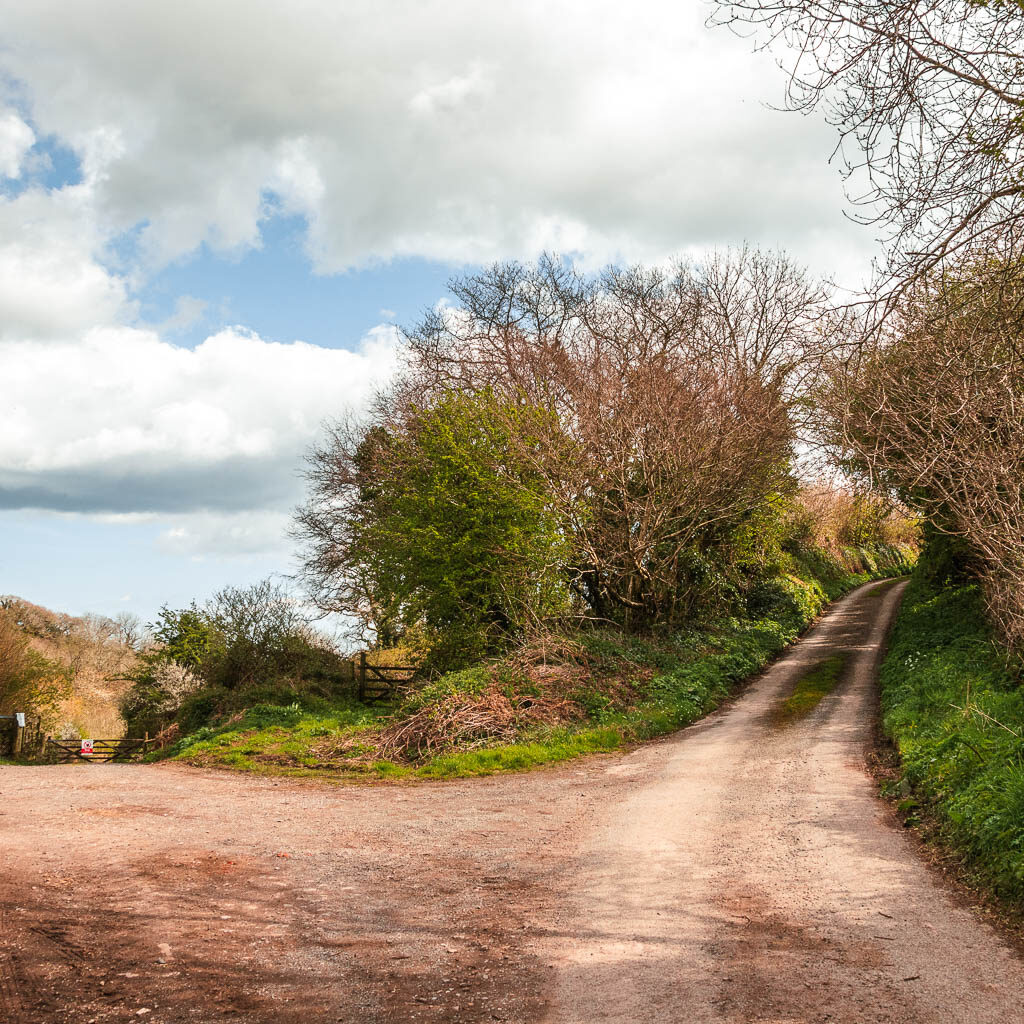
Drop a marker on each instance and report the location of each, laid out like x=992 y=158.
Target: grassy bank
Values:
x=569 y=694
x=955 y=711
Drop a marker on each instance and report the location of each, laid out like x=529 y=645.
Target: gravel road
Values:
x=741 y=870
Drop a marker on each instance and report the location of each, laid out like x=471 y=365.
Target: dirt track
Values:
x=742 y=870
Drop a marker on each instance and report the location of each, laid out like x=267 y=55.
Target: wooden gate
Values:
x=377 y=682
x=96 y=751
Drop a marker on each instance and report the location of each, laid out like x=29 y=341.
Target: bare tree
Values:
x=131 y=631
x=934 y=409
x=927 y=96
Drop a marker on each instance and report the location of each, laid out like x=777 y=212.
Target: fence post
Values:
x=19 y=733
x=362 y=676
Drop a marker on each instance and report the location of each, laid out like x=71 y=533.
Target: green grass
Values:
x=285 y=740
x=954 y=707
x=555 y=747
x=624 y=688
x=811 y=688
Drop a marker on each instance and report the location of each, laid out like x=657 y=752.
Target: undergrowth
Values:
x=556 y=698
x=954 y=706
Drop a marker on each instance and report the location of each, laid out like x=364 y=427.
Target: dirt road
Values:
x=742 y=870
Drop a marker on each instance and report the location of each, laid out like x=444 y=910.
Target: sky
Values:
x=215 y=219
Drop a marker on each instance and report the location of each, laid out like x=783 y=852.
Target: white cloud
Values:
x=446 y=129
x=226 y=535
x=446 y=97
x=16 y=139
x=51 y=285
x=123 y=422
x=188 y=310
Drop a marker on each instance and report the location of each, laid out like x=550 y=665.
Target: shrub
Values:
x=786 y=598
x=200 y=708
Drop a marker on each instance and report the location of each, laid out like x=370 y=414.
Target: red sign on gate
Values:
x=86 y=746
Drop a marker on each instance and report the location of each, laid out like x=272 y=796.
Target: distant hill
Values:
x=99 y=652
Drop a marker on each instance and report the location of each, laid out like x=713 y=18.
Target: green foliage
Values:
x=199 y=708
x=946 y=561
x=145 y=704
x=186 y=636
x=289 y=739
x=260 y=637
x=262 y=716
x=514 y=757
x=466 y=682
x=954 y=705
x=835 y=573
x=215 y=703
x=452 y=534
x=246 y=646
x=786 y=598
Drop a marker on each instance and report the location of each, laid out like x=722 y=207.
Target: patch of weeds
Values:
x=466 y=682
x=810 y=689
x=596 y=706
x=561 y=746
x=262 y=716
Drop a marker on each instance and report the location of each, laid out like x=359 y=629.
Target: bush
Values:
x=144 y=707
x=246 y=646
x=786 y=598
x=200 y=708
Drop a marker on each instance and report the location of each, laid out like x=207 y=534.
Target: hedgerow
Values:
x=953 y=704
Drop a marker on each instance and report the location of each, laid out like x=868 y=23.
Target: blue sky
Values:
x=271 y=290
x=212 y=217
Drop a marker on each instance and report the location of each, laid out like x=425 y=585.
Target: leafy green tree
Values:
x=435 y=524
x=187 y=636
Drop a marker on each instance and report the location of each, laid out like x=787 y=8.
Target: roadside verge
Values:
x=569 y=694
x=953 y=706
